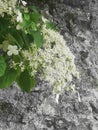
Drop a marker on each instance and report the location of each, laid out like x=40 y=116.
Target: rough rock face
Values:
x=78 y=110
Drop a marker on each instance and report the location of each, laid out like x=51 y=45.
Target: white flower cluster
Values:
x=33 y=58
x=58 y=61
x=19 y=64
x=7 y=6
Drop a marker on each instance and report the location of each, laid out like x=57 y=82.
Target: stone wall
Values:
x=78 y=110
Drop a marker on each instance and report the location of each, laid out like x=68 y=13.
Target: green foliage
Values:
x=4 y=27
x=29 y=25
x=26 y=82
x=20 y=36
x=8 y=78
x=51 y=26
x=2 y=66
x=35 y=16
x=38 y=38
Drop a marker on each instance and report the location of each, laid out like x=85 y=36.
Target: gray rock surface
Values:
x=78 y=110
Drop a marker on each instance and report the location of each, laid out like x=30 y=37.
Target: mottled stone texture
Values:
x=78 y=110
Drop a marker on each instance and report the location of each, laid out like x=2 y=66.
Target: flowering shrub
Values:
x=29 y=45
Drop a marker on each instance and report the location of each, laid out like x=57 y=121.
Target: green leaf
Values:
x=5 y=45
x=51 y=26
x=35 y=16
x=2 y=66
x=26 y=82
x=33 y=26
x=5 y=22
x=26 y=24
x=26 y=16
x=17 y=36
x=8 y=78
x=38 y=38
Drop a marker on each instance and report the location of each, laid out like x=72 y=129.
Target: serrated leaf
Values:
x=25 y=81
x=38 y=38
x=8 y=78
x=2 y=66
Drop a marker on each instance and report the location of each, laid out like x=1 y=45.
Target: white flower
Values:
x=44 y=19
x=12 y=50
x=18 y=27
x=19 y=16
x=24 y=3
x=21 y=65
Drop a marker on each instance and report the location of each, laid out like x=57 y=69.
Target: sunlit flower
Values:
x=19 y=16
x=24 y=3
x=12 y=50
x=18 y=27
x=44 y=19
